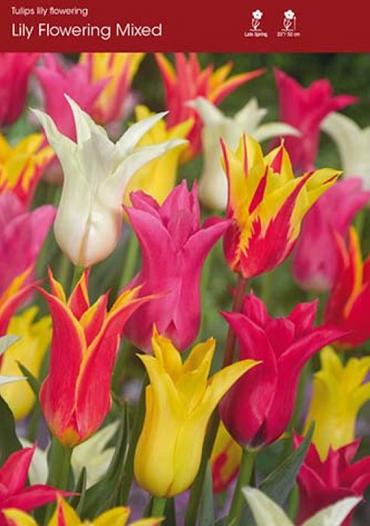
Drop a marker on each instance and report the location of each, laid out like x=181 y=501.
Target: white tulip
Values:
x=213 y=182
x=96 y=172
x=93 y=455
x=267 y=512
x=353 y=144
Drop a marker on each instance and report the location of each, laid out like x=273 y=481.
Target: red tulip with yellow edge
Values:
x=267 y=204
x=75 y=396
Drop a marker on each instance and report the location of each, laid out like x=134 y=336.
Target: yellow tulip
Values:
x=338 y=395
x=179 y=403
x=21 y=165
x=29 y=350
x=158 y=177
x=66 y=515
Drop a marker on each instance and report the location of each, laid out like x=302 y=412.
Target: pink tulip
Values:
x=15 y=70
x=56 y=80
x=174 y=246
x=22 y=236
x=305 y=109
x=316 y=269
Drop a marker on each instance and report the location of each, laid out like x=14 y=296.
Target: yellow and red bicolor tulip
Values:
x=349 y=300
x=21 y=166
x=75 y=396
x=65 y=515
x=338 y=394
x=179 y=402
x=186 y=80
x=225 y=459
x=158 y=177
x=120 y=68
x=28 y=350
x=12 y=297
x=267 y=205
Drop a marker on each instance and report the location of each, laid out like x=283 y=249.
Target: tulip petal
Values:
x=265 y=510
x=18 y=518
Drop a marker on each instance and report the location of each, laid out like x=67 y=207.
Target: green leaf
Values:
x=207 y=509
x=9 y=442
x=78 y=501
x=30 y=378
x=281 y=481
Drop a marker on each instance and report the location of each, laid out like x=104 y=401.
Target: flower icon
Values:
x=289 y=14
x=257 y=14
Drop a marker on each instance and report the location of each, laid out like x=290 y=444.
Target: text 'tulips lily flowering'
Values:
x=75 y=397
x=305 y=109
x=120 y=68
x=337 y=397
x=28 y=350
x=324 y=482
x=258 y=408
x=96 y=172
x=22 y=165
x=15 y=71
x=174 y=247
x=216 y=126
x=330 y=216
x=65 y=515
x=14 y=490
x=349 y=300
x=186 y=80
x=266 y=204
x=179 y=402
x=267 y=512
x=56 y=79
x=158 y=177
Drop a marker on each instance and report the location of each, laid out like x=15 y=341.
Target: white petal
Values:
x=207 y=111
x=6 y=341
x=334 y=515
x=132 y=136
x=274 y=129
x=265 y=511
x=250 y=116
x=10 y=379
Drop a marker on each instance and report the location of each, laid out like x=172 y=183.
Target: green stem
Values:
x=196 y=490
x=128 y=467
x=237 y=305
x=158 y=506
x=64 y=269
x=245 y=475
x=77 y=273
x=130 y=261
x=59 y=469
x=360 y=222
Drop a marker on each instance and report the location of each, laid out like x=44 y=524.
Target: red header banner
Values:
x=188 y=25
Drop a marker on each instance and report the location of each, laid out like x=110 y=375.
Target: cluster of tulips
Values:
x=126 y=403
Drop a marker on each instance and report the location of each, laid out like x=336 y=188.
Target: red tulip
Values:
x=258 y=408
x=305 y=109
x=349 y=300
x=324 y=482
x=186 y=81
x=174 y=246
x=75 y=397
x=14 y=492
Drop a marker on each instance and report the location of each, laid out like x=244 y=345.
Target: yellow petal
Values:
x=70 y=516
x=19 y=518
x=114 y=517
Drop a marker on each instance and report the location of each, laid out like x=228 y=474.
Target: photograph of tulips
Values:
x=185 y=289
